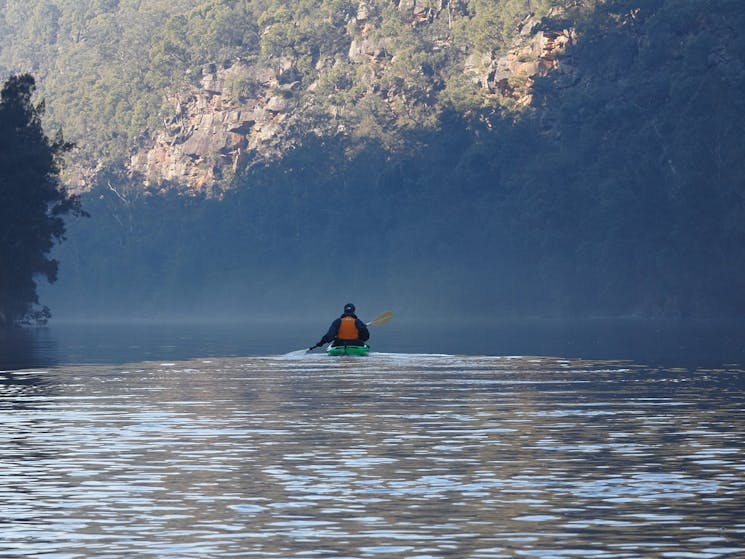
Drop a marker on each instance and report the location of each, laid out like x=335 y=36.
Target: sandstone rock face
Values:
x=364 y=49
x=243 y=112
x=416 y=10
x=534 y=53
x=212 y=129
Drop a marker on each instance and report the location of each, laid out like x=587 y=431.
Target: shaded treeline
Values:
x=32 y=202
x=621 y=191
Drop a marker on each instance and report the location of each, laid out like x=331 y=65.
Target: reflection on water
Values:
x=391 y=456
x=24 y=348
x=660 y=343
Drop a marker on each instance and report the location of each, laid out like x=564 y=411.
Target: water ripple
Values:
x=394 y=456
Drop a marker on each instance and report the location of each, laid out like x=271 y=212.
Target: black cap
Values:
x=349 y=308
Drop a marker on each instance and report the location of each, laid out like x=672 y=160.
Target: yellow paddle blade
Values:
x=382 y=318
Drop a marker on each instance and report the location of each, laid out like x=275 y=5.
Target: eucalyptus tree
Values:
x=32 y=201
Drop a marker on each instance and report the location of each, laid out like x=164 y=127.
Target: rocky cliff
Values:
x=215 y=129
x=246 y=110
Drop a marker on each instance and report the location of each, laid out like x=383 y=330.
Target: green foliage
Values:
x=462 y=93
x=106 y=67
x=618 y=191
x=32 y=202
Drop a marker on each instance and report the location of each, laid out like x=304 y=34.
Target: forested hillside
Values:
x=609 y=182
x=120 y=76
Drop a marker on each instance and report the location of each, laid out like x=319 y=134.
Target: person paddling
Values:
x=347 y=330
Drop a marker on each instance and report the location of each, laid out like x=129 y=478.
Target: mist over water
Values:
x=659 y=343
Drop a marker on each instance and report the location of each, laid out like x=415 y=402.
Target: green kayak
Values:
x=348 y=350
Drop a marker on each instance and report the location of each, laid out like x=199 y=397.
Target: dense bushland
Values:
x=619 y=190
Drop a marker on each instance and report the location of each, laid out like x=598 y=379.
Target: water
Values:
x=656 y=343
x=396 y=455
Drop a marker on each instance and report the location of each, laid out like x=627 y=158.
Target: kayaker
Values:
x=347 y=330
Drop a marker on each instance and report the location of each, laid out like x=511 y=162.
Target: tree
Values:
x=32 y=201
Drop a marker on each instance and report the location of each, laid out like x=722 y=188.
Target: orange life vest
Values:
x=348 y=329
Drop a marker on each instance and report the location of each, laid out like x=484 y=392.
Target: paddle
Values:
x=379 y=320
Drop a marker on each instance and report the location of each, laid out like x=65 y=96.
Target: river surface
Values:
x=395 y=455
